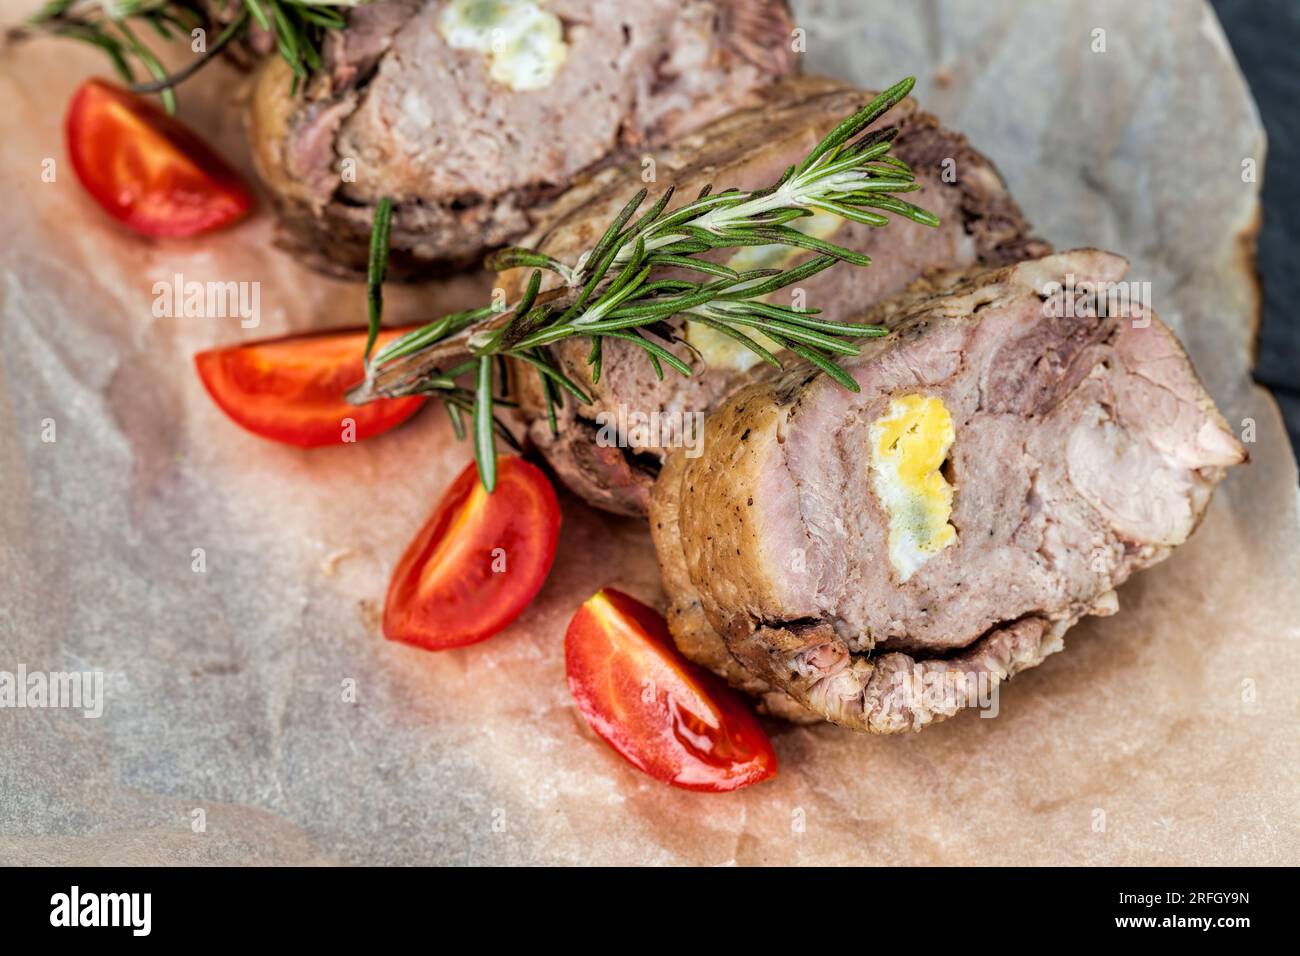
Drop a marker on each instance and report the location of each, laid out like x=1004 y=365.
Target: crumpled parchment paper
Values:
x=1166 y=734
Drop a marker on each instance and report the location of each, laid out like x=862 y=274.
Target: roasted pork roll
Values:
x=980 y=224
x=1023 y=440
x=469 y=112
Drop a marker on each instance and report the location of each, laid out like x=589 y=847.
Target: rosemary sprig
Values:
x=377 y=270
x=299 y=28
x=611 y=292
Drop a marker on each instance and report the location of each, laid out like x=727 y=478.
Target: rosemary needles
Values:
x=616 y=290
x=115 y=26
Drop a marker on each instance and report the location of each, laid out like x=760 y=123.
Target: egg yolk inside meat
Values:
x=908 y=447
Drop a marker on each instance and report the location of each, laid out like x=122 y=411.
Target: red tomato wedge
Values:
x=146 y=168
x=666 y=716
x=290 y=390
x=477 y=562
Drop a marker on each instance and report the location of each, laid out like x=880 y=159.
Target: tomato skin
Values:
x=290 y=390
x=444 y=592
x=696 y=733
x=145 y=168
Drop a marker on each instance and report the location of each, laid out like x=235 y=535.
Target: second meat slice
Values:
x=749 y=149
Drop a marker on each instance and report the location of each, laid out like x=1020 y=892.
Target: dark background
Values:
x=1265 y=34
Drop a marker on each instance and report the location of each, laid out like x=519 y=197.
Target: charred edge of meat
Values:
x=338 y=244
x=877 y=692
x=615 y=478
x=990 y=215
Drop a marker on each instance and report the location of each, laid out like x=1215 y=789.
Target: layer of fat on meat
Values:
x=908 y=447
x=524 y=44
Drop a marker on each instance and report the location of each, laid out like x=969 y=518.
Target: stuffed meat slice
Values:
x=980 y=223
x=469 y=112
x=1023 y=441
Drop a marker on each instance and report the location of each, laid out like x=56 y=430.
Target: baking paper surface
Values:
x=1166 y=734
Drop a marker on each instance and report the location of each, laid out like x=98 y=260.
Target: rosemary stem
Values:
x=180 y=76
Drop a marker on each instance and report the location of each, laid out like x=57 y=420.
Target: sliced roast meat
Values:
x=1021 y=444
x=467 y=112
x=749 y=149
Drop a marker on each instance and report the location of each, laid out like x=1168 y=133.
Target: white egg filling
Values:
x=524 y=44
